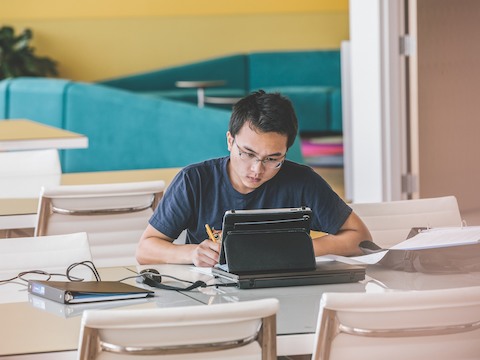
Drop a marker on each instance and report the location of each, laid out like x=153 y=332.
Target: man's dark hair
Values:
x=265 y=113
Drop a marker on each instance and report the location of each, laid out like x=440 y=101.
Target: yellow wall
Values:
x=99 y=39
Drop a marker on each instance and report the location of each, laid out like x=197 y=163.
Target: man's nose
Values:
x=257 y=165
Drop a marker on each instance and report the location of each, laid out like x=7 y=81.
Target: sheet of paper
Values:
x=429 y=239
x=354 y=260
x=202 y=270
x=323 y=258
x=370 y=259
x=441 y=237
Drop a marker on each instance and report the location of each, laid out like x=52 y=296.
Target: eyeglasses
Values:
x=269 y=162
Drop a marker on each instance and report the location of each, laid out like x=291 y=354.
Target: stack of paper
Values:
x=428 y=239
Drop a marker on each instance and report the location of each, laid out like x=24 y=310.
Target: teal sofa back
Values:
x=128 y=131
x=308 y=78
x=125 y=130
x=311 y=79
x=295 y=68
x=4 y=85
x=39 y=99
x=231 y=69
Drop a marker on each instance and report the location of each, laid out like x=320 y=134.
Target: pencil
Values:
x=210 y=233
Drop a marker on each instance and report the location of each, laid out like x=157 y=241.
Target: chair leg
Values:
x=268 y=338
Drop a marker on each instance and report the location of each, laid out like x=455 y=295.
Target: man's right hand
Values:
x=206 y=254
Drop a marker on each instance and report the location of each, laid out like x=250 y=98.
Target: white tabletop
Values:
x=22 y=134
x=31 y=324
x=36 y=325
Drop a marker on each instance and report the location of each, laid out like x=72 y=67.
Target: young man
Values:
x=256 y=175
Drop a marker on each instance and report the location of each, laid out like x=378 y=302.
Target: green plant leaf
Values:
x=17 y=57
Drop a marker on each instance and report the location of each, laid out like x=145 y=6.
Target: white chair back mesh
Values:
x=241 y=330
x=391 y=222
x=23 y=173
x=398 y=325
x=48 y=253
x=113 y=215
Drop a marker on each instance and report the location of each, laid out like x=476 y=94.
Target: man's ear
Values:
x=229 y=141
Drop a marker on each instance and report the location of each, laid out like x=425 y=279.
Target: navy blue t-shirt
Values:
x=201 y=193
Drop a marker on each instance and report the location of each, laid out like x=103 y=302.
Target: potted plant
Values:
x=17 y=57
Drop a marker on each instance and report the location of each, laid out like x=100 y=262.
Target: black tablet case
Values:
x=267 y=240
x=273 y=248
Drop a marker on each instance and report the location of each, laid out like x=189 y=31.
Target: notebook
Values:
x=272 y=248
x=76 y=292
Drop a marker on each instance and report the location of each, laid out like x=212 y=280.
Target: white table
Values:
x=18 y=213
x=31 y=325
x=22 y=134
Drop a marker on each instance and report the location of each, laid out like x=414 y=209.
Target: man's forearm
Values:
x=153 y=250
x=344 y=243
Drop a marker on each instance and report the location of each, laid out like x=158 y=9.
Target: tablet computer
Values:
x=264 y=237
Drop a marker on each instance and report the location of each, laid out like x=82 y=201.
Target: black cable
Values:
x=87 y=264
x=67 y=274
x=154 y=274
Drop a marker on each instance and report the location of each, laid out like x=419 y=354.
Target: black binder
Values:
x=77 y=292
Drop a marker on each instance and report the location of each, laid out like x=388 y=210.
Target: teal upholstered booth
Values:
x=231 y=69
x=128 y=131
x=125 y=130
x=310 y=79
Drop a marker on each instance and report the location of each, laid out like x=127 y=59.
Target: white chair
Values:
x=390 y=222
x=25 y=172
x=241 y=330
x=113 y=215
x=48 y=253
x=430 y=324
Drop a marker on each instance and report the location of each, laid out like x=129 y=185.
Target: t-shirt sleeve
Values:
x=174 y=211
x=329 y=210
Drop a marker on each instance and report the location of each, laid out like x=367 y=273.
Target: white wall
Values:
x=377 y=100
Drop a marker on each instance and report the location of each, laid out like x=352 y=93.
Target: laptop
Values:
x=273 y=248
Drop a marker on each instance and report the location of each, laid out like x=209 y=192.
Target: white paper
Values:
x=202 y=270
x=429 y=239
x=323 y=258
x=370 y=258
x=441 y=237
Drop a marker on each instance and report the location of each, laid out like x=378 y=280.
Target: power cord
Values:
x=21 y=275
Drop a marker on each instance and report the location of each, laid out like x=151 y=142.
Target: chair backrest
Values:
x=113 y=215
x=390 y=222
x=48 y=253
x=430 y=324
x=25 y=172
x=241 y=330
